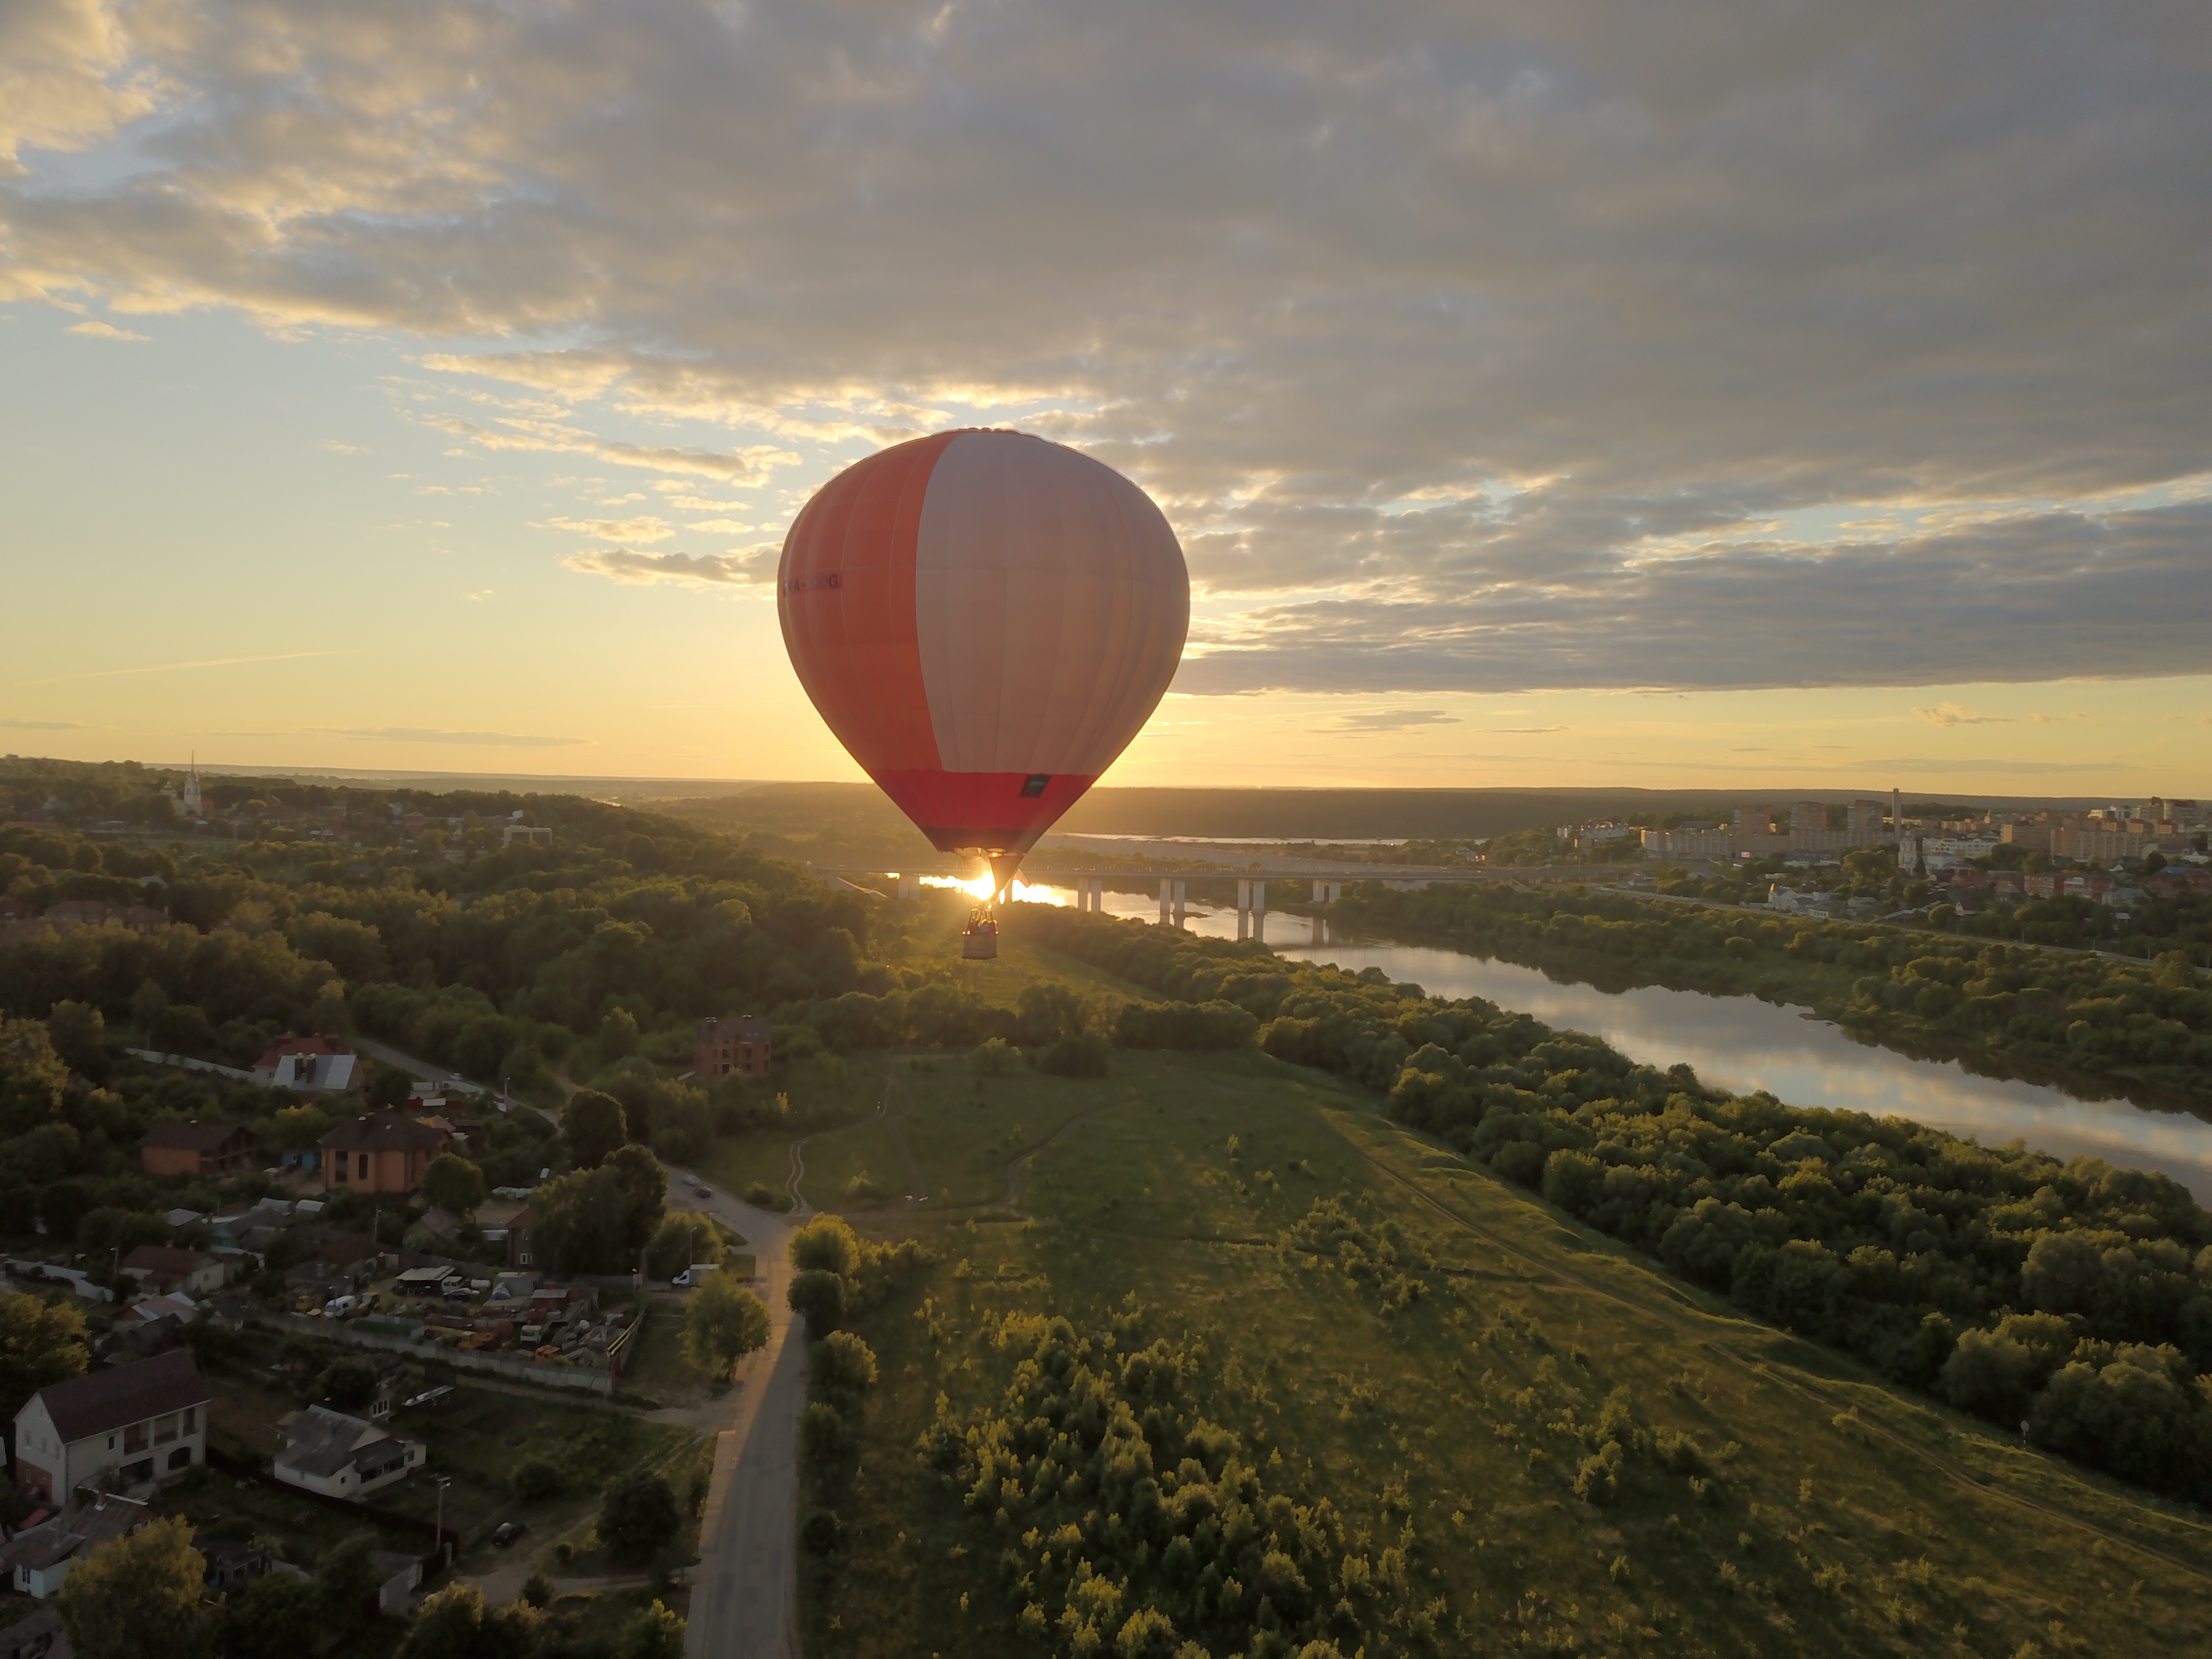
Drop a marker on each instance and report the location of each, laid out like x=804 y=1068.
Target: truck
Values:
x=694 y=1276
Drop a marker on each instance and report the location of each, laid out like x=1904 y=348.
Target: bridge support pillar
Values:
x=1320 y=929
x=1165 y=896
x=1178 y=903
x=909 y=887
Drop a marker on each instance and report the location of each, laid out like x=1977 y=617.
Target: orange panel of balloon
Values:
x=985 y=619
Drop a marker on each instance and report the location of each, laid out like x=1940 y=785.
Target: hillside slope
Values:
x=1490 y=1429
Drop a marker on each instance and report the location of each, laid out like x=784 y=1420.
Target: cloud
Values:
x=748 y=466
x=1521 y=346
x=41 y=725
x=179 y=667
x=66 y=77
x=646 y=529
x=1389 y=720
x=426 y=734
x=1949 y=713
x=2025 y=597
x=753 y=568
x=91 y=329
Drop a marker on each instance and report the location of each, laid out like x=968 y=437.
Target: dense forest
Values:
x=590 y=960
x=2074 y=1295
x=2033 y=1011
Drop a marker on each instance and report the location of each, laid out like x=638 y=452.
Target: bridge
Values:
x=1326 y=881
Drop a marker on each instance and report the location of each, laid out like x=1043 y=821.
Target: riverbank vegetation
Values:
x=2146 y=1027
x=1254 y=1370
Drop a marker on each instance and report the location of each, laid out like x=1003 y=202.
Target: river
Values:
x=1741 y=1043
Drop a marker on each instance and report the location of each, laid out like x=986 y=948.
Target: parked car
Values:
x=339 y=1307
x=699 y=1191
x=507 y=1532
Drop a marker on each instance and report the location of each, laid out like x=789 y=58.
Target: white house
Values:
x=340 y=1457
x=146 y=1421
x=37 y=1558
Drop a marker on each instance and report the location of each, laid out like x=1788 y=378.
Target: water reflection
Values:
x=1741 y=1043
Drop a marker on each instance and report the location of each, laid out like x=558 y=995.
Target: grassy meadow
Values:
x=1772 y=1498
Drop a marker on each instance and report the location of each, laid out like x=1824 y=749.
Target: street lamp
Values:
x=445 y=1550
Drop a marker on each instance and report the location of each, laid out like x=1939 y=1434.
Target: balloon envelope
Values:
x=985 y=619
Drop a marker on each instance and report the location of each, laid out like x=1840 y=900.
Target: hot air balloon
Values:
x=985 y=619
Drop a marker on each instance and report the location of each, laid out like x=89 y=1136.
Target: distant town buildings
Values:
x=194 y=1148
x=728 y=1045
x=381 y=1153
x=308 y=1065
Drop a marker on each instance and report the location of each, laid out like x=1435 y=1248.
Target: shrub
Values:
x=638 y=1514
x=1082 y=1055
x=821 y=1532
x=994 y=1058
x=537 y=1479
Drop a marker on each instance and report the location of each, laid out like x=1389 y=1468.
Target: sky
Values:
x=1552 y=393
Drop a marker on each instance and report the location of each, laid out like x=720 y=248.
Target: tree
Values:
x=349 y=1384
x=827 y=1242
x=684 y=1124
x=78 y=1033
x=723 y=1323
x=818 y=1296
x=618 y=1035
x=638 y=1514
x=455 y=1623
x=138 y=1597
x=40 y=1342
x=647 y=1183
x=453 y=1183
x=845 y=1364
x=347 y=1576
x=34 y=1079
x=277 y=1616
x=993 y=1058
x=683 y=1237
x=597 y=1220
x=655 y=1633
x=820 y=1431
x=592 y=1124
x=390 y=1087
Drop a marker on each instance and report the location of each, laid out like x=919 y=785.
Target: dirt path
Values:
x=1018 y=1166
x=917 y=1182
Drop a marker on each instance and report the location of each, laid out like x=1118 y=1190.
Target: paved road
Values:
x=744 y=1591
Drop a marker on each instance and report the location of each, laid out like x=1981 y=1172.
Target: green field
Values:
x=1773 y=1497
